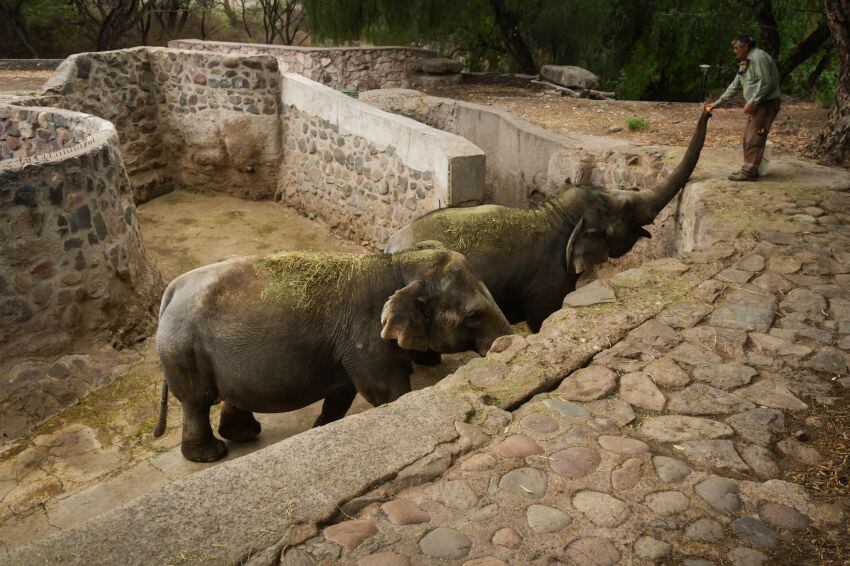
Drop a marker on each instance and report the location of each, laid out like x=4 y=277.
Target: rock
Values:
x=599 y=291
x=701 y=399
x=540 y=424
x=693 y=355
x=638 y=389
x=653 y=334
x=508 y=538
x=528 y=482
x=517 y=446
x=404 y=512
x=753 y=532
x=666 y=373
x=783 y=517
x=745 y=317
x=804 y=301
x=588 y=384
x=614 y=129
x=771 y=393
x=543 y=519
x=623 y=445
x=709 y=290
x=705 y=530
x=478 y=463
x=829 y=360
x=668 y=503
x=435 y=66
x=793 y=448
x=593 y=551
x=670 y=470
x=617 y=410
x=384 y=559
x=602 y=509
x=783 y=265
x=683 y=315
x=727 y=342
x=297 y=557
x=734 y=276
x=839 y=309
x=742 y=556
x=457 y=494
x=651 y=548
x=444 y=542
x=751 y=262
x=720 y=493
x=676 y=428
x=485 y=561
x=760 y=459
x=719 y=454
x=575 y=462
x=506 y=348
x=570 y=76
x=567 y=409
x=725 y=376
x=773 y=283
x=627 y=475
x=758 y=426
x=349 y=534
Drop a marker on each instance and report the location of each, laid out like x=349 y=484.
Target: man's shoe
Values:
x=743 y=177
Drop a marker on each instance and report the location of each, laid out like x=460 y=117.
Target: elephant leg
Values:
x=542 y=302
x=198 y=443
x=237 y=425
x=336 y=405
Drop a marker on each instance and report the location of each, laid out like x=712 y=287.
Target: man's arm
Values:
x=765 y=80
x=731 y=90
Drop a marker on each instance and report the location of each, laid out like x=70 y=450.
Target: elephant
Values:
x=278 y=332
x=531 y=259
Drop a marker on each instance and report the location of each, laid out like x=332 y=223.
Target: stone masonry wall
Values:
x=357 y=68
x=364 y=171
x=72 y=264
x=192 y=119
x=24 y=133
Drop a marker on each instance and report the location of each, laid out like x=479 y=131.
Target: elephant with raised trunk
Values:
x=277 y=333
x=531 y=259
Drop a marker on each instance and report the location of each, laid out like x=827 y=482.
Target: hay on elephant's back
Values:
x=504 y=228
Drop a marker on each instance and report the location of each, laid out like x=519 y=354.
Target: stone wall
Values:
x=367 y=172
x=357 y=68
x=24 y=133
x=72 y=264
x=191 y=119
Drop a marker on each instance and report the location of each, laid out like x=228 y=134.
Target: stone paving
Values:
x=678 y=444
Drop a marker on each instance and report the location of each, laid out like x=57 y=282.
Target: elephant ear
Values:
x=402 y=318
x=571 y=244
x=429 y=245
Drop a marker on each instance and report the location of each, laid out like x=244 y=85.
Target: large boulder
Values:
x=434 y=66
x=569 y=76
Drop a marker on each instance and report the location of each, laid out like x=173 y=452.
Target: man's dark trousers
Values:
x=755 y=135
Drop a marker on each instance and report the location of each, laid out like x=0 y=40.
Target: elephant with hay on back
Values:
x=531 y=259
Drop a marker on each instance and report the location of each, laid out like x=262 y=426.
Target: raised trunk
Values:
x=833 y=143
x=651 y=201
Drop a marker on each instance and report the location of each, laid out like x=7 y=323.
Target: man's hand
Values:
x=710 y=106
x=749 y=108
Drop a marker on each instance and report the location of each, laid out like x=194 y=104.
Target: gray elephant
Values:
x=530 y=259
x=277 y=333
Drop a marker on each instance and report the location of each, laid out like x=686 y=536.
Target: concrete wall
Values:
x=357 y=68
x=365 y=171
x=73 y=270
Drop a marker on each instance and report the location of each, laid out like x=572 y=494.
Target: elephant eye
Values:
x=473 y=318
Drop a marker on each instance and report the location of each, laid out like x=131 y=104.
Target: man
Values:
x=758 y=77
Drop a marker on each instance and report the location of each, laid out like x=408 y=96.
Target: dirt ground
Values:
x=666 y=123
x=23 y=81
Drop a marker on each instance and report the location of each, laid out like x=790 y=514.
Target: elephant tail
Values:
x=163 y=411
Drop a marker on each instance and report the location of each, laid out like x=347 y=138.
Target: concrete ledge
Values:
x=457 y=163
x=273 y=497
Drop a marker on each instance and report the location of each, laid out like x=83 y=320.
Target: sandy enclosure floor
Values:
x=99 y=453
x=25 y=81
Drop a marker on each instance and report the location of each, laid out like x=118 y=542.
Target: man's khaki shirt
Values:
x=758 y=77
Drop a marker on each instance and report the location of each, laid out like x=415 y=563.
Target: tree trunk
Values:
x=770 y=38
x=833 y=143
x=812 y=81
x=804 y=50
x=508 y=23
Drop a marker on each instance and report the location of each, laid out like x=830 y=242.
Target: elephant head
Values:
x=611 y=221
x=443 y=307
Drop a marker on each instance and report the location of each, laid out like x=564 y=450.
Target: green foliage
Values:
x=637 y=123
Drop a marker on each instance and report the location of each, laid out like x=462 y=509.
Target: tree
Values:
x=110 y=20
x=13 y=20
x=833 y=143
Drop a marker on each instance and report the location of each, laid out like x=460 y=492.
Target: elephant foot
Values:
x=207 y=451
x=237 y=425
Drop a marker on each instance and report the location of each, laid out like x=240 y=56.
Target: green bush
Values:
x=637 y=123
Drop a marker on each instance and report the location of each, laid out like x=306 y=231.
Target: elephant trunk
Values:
x=499 y=327
x=652 y=201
